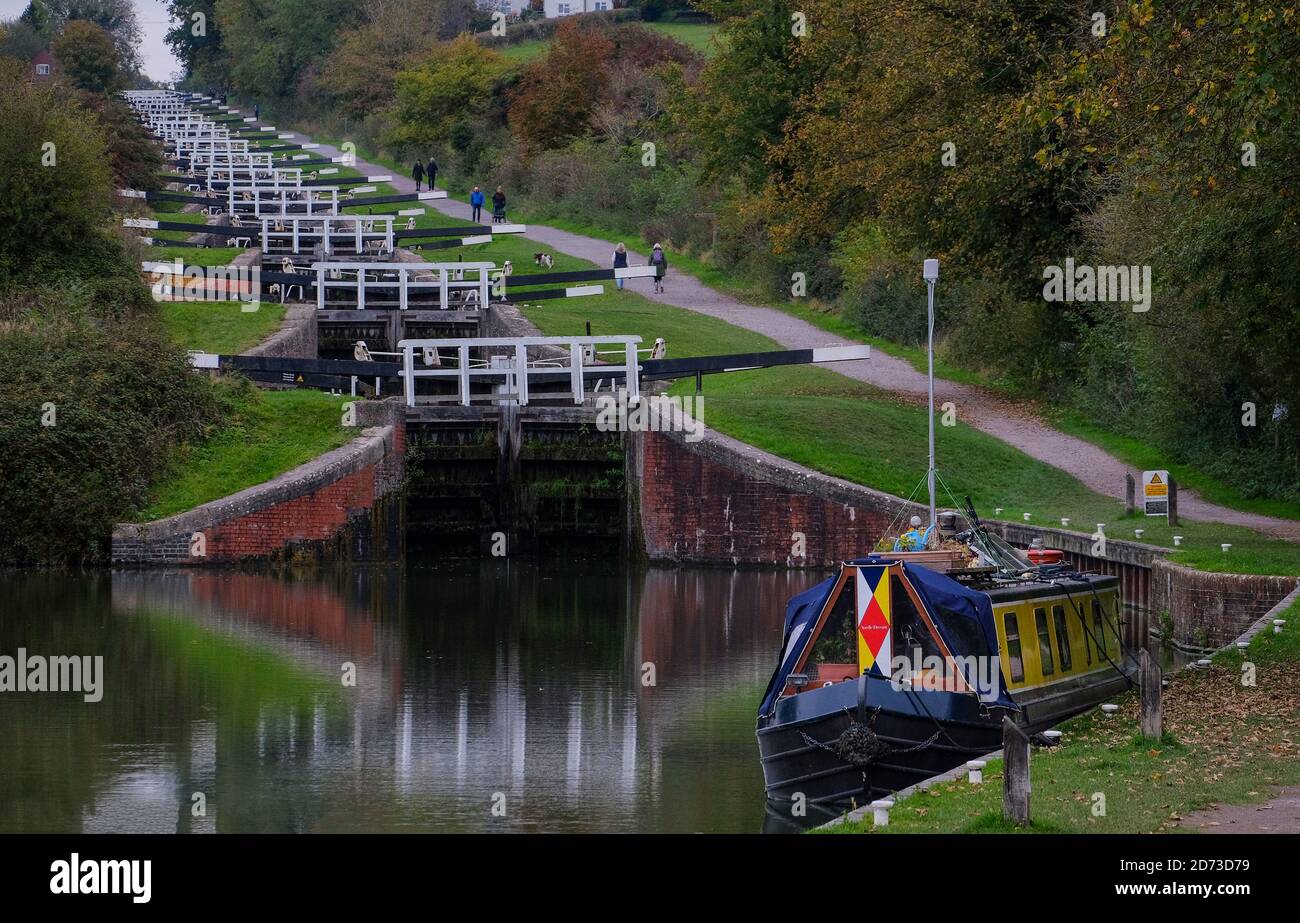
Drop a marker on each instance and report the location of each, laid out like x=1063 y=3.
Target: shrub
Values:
x=91 y=408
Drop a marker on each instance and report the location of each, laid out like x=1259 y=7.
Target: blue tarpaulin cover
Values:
x=800 y=614
x=957 y=611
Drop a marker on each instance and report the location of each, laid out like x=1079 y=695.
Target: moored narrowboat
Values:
x=903 y=664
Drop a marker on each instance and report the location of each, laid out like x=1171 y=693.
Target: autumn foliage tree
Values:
x=559 y=91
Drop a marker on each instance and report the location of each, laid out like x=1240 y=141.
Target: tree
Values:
x=88 y=57
x=560 y=91
x=450 y=87
x=116 y=17
x=195 y=39
x=55 y=183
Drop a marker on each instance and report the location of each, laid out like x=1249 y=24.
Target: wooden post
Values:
x=1130 y=493
x=1015 y=774
x=1173 y=501
x=1152 y=720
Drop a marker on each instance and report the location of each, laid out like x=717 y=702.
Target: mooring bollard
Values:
x=1278 y=624
x=1052 y=737
x=1225 y=546
x=1137 y=533
x=1242 y=645
x=1109 y=709
x=880 y=812
x=1152 y=716
x=975 y=771
x=1205 y=663
x=997 y=511
x=1015 y=774
x=1178 y=541
x=1026 y=517
x=1065 y=520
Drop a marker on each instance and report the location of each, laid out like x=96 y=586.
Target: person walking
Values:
x=620 y=262
x=476 y=200
x=417 y=174
x=498 y=206
x=431 y=172
x=660 y=263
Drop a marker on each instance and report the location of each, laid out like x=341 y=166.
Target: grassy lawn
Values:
x=1224 y=743
x=1147 y=457
x=196 y=256
x=266 y=434
x=696 y=36
x=220 y=326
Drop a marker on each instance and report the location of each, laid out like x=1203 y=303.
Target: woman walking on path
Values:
x=660 y=263
x=620 y=262
x=417 y=174
x=498 y=206
x=431 y=171
x=476 y=200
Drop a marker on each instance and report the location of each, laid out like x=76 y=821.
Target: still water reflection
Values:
x=476 y=682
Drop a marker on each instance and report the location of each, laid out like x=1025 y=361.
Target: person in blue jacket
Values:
x=476 y=200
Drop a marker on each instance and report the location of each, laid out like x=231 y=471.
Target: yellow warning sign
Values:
x=1155 y=493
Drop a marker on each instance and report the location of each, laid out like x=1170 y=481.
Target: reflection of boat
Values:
x=903 y=665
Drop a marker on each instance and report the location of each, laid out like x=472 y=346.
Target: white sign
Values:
x=1155 y=493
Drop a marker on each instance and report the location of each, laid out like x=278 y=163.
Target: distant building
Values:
x=43 y=65
x=556 y=8
x=512 y=8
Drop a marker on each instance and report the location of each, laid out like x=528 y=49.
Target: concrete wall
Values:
x=343 y=506
x=1212 y=610
x=296 y=336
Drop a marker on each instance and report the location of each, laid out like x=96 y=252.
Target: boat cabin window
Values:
x=1099 y=629
x=1016 y=663
x=909 y=631
x=1062 y=638
x=1044 y=642
x=838 y=642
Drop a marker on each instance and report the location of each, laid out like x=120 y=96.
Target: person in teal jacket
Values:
x=476 y=200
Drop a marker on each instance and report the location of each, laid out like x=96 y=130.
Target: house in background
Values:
x=43 y=65
x=556 y=8
x=512 y=8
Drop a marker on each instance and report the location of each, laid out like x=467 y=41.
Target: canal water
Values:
x=489 y=696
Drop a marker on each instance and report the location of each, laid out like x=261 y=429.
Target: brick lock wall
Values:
x=345 y=505
x=713 y=502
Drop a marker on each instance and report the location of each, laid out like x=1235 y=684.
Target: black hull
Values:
x=794 y=763
x=928 y=733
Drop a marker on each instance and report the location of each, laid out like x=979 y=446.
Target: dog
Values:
x=544 y=259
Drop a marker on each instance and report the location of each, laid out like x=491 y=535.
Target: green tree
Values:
x=88 y=58
x=451 y=87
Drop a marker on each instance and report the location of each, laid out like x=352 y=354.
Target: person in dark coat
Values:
x=476 y=200
x=431 y=171
x=660 y=263
x=620 y=262
x=498 y=206
x=417 y=174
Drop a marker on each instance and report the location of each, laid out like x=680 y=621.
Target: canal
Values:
x=489 y=696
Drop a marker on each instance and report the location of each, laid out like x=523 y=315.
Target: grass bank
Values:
x=1225 y=743
x=265 y=434
x=224 y=327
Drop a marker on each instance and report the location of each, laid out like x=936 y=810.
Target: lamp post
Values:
x=930 y=272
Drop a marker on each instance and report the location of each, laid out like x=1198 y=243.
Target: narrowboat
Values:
x=904 y=663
